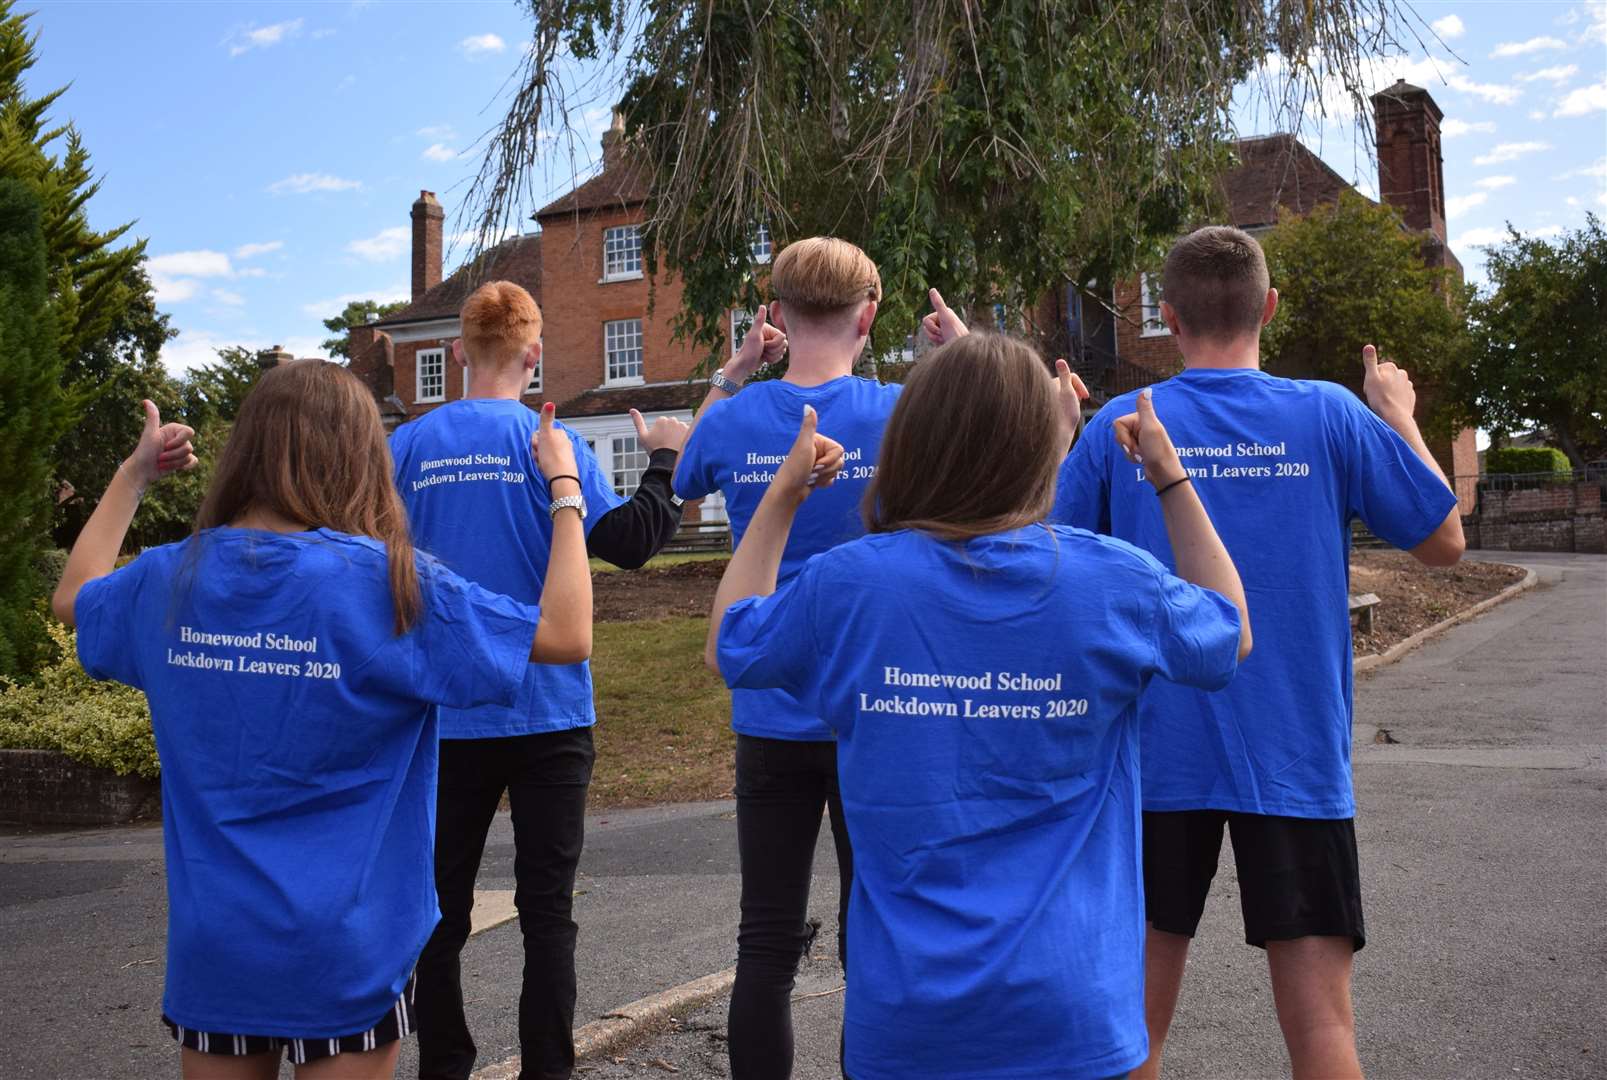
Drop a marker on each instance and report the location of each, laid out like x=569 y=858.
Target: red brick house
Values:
x=1276 y=172
x=606 y=337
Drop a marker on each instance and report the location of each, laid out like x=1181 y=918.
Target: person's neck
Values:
x=813 y=363
x=1241 y=352
x=266 y=521
x=508 y=384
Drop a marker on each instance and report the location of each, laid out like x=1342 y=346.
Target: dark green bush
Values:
x=1525 y=459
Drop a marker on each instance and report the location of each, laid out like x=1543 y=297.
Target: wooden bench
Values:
x=700 y=536
x=1361 y=611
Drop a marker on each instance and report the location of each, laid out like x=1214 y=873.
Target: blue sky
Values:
x=270 y=152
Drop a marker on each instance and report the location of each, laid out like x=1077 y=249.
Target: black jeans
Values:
x=545 y=776
x=782 y=787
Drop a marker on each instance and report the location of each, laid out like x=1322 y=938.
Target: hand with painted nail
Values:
x=1144 y=440
x=555 y=454
x=1070 y=393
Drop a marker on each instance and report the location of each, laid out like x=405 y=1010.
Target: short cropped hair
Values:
x=1216 y=281
x=500 y=321
x=823 y=276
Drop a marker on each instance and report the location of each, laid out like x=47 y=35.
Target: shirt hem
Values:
x=505 y=731
x=788 y=735
x=1314 y=811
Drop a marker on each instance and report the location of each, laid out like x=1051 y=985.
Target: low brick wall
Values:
x=1553 y=517
x=42 y=787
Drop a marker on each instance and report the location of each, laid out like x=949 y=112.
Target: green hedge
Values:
x=1523 y=459
x=61 y=708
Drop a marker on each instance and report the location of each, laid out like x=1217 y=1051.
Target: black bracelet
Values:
x=562 y=476
x=1180 y=480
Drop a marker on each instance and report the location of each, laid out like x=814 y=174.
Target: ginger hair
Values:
x=500 y=321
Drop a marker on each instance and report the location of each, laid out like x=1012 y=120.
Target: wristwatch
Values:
x=720 y=382
x=577 y=501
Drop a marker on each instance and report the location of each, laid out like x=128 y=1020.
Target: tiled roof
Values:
x=623 y=184
x=657 y=397
x=1277 y=171
x=517 y=260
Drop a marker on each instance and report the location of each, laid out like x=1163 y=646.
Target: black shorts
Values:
x=1298 y=877
x=396 y=1024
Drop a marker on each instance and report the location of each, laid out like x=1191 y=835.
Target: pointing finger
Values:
x=937 y=300
x=548 y=411
x=1146 y=407
x=1369 y=358
x=153 y=419
x=641 y=425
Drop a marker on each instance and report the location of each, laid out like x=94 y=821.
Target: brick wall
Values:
x=578 y=302
x=42 y=787
x=1158 y=352
x=1555 y=517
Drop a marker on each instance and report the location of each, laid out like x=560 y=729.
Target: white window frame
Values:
x=609 y=378
x=760 y=245
x=622 y=253
x=419 y=357
x=739 y=316
x=1149 y=308
x=620 y=445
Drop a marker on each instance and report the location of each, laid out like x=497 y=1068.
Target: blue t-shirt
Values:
x=735 y=449
x=476 y=501
x=298 y=751
x=987 y=748
x=1282 y=467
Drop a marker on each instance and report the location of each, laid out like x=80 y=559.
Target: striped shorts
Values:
x=396 y=1024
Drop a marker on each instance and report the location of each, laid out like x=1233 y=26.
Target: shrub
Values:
x=1524 y=459
x=63 y=709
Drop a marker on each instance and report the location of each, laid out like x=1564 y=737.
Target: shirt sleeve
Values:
x=634 y=531
x=695 y=475
x=1082 y=495
x=469 y=647
x=1197 y=635
x=1389 y=487
x=104 y=614
x=768 y=642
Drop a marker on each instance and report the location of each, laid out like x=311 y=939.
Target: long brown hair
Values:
x=971 y=446
x=308 y=446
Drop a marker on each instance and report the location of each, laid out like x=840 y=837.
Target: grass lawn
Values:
x=663 y=719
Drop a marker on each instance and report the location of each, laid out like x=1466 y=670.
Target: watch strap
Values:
x=720 y=382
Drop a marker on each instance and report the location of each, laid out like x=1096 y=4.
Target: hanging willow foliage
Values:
x=994 y=148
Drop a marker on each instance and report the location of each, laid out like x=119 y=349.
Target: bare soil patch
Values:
x=668 y=592
x=1413 y=597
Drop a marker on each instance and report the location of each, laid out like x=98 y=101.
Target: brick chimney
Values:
x=1411 y=173
x=427 y=218
x=613 y=139
x=273 y=357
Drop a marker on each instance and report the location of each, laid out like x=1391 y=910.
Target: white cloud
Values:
x=383 y=246
x=1596 y=32
x=251 y=271
x=191 y=349
x=304 y=183
x=191 y=264
x=1537 y=115
x=1479 y=238
x=174 y=290
x=1510 y=151
x=1492 y=182
x=1453 y=128
x=1559 y=74
x=228 y=296
x=1584 y=100
x=1448 y=27
x=1524 y=48
x=481 y=44
x=262 y=37
x=439 y=152
x=1601 y=197
x=1599 y=169
x=437 y=131
x=1457 y=205
x=251 y=251
x=328 y=309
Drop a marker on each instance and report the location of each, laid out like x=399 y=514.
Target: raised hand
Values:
x=1144 y=440
x=667 y=433
x=1070 y=393
x=813 y=462
x=1388 y=389
x=555 y=454
x=162 y=449
x=942 y=325
x=764 y=344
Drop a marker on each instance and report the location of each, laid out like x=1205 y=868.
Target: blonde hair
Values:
x=1216 y=280
x=823 y=276
x=500 y=321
